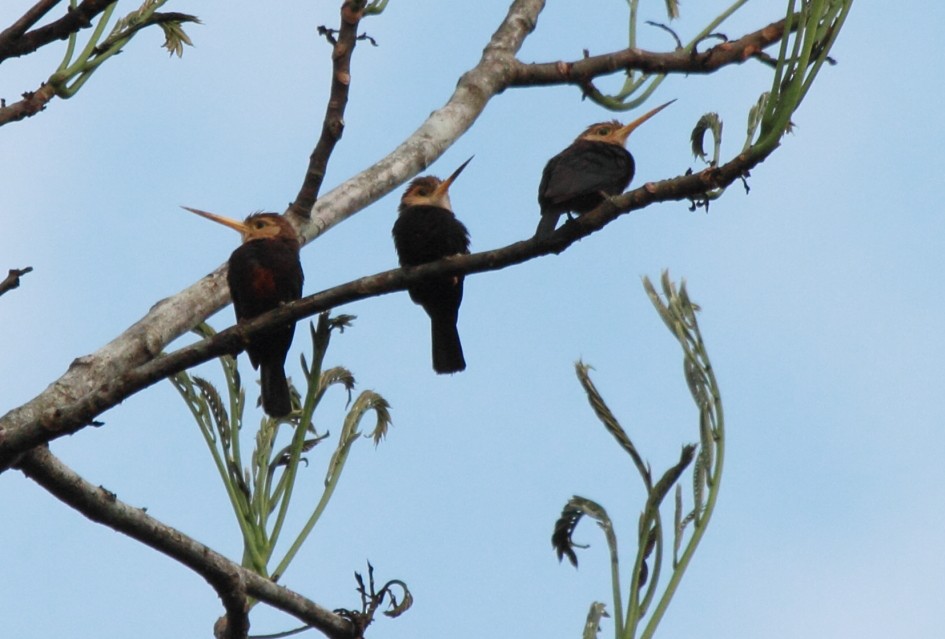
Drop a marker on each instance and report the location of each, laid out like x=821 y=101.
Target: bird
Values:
x=264 y=273
x=426 y=230
x=595 y=165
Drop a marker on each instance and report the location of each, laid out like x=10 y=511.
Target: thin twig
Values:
x=333 y=124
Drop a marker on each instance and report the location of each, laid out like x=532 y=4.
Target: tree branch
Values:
x=64 y=420
x=33 y=15
x=333 y=125
x=225 y=576
x=680 y=61
x=12 y=280
x=14 y=44
x=170 y=318
x=32 y=103
x=98 y=381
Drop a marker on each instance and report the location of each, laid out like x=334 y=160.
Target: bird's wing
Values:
x=427 y=233
x=585 y=170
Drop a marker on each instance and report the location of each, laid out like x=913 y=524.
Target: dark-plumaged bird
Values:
x=594 y=166
x=265 y=272
x=425 y=231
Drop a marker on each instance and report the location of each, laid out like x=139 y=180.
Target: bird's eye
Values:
x=604 y=130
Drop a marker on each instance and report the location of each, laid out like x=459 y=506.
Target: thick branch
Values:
x=68 y=419
x=33 y=15
x=104 y=507
x=13 y=44
x=333 y=125
x=234 y=624
x=96 y=382
x=174 y=316
x=12 y=280
x=680 y=61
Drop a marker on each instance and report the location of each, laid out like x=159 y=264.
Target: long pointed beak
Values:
x=225 y=221
x=445 y=184
x=625 y=131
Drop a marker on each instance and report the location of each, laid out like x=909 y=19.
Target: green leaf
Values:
x=669 y=478
x=397 y=608
x=594 y=615
x=174 y=36
x=672 y=9
x=755 y=116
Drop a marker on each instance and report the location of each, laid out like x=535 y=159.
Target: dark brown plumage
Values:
x=426 y=230
x=265 y=272
x=595 y=165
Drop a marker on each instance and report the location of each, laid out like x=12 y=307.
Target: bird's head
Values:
x=258 y=226
x=615 y=133
x=431 y=191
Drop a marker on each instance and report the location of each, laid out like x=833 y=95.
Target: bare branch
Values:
x=14 y=44
x=333 y=124
x=225 y=576
x=80 y=394
x=68 y=418
x=680 y=61
x=172 y=317
x=33 y=15
x=12 y=280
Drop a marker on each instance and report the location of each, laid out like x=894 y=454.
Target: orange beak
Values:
x=624 y=132
x=445 y=184
x=225 y=221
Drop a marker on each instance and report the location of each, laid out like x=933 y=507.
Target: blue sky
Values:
x=821 y=294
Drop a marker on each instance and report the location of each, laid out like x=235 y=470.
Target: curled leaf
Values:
x=571 y=514
x=708 y=122
x=283 y=456
x=338 y=375
x=669 y=478
x=397 y=608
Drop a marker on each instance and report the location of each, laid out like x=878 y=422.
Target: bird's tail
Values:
x=547 y=224
x=275 y=390
x=447 y=349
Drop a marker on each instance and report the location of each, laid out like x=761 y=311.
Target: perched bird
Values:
x=596 y=164
x=425 y=231
x=265 y=272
